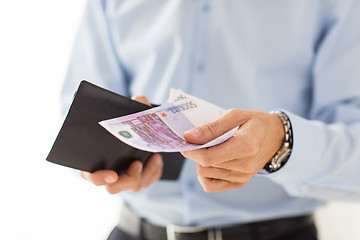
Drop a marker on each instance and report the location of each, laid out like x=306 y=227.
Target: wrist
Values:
x=283 y=154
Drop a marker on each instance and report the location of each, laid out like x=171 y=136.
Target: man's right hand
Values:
x=136 y=177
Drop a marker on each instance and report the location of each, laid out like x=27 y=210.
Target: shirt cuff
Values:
x=308 y=147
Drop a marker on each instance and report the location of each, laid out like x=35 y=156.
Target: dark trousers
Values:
x=307 y=233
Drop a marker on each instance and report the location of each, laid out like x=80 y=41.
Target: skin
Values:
x=229 y=165
x=232 y=164
x=137 y=175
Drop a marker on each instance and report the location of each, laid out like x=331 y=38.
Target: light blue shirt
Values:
x=299 y=56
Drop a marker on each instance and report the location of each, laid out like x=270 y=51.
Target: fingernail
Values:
x=110 y=179
x=193 y=132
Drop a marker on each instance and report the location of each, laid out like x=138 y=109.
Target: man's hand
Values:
x=134 y=179
x=137 y=175
x=233 y=163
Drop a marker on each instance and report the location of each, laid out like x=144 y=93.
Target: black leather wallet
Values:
x=83 y=144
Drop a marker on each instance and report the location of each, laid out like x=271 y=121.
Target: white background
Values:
x=40 y=200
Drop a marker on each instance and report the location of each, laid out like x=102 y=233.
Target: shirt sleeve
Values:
x=325 y=161
x=94 y=55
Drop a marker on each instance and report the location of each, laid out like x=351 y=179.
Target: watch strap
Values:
x=281 y=156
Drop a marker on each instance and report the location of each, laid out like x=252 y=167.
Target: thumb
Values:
x=209 y=131
x=206 y=132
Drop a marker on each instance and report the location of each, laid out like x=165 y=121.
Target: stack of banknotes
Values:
x=161 y=129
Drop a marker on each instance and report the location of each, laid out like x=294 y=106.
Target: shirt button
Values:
x=200 y=67
x=206 y=7
x=191 y=184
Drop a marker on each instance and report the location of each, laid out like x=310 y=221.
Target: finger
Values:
x=215 y=185
x=152 y=170
x=141 y=98
x=231 y=165
x=101 y=177
x=223 y=174
x=245 y=165
x=212 y=130
x=128 y=181
x=244 y=144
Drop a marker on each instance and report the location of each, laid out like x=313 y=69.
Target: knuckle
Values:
x=233 y=112
x=207 y=188
x=200 y=170
x=134 y=186
x=96 y=183
x=135 y=183
x=247 y=178
x=112 y=190
x=209 y=160
x=144 y=183
x=244 y=178
x=212 y=127
x=136 y=189
x=240 y=185
x=157 y=176
x=202 y=159
x=206 y=184
x=235 y=177
x=205 y=163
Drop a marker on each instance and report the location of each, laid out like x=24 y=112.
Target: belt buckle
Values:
x=171 y=230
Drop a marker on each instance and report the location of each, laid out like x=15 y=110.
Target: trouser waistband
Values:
x=264 y=230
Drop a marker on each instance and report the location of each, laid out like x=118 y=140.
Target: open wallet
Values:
x=83 y=144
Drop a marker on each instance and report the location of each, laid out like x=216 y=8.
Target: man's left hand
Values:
x=234 y=162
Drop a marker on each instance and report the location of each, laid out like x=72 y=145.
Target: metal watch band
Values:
x=281 y=156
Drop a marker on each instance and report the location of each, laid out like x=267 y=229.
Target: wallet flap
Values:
x=83 y=144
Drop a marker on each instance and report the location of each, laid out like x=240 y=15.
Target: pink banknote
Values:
x=161 y=129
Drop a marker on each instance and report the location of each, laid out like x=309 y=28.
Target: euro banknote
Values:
x=161 y=129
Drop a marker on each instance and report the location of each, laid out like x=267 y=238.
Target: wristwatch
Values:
x=281 y=156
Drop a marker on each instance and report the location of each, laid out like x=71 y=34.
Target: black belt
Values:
x=262 y=230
